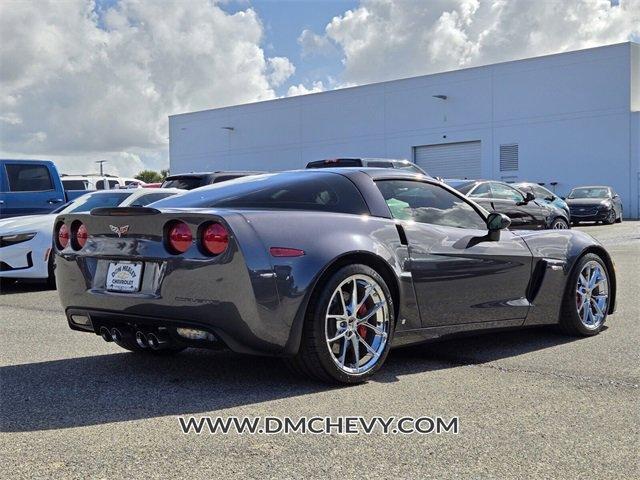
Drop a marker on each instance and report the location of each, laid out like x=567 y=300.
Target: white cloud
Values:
x=280 y=69
x=385 y=39
x=314 y=44
x=71 y=88
x=301 y=89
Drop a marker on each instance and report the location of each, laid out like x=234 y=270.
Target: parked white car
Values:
x=25 y=242
x=96 y=182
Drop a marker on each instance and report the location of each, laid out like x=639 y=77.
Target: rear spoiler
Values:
x=123 y=211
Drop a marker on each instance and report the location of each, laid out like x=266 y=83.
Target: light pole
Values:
x=101 y=162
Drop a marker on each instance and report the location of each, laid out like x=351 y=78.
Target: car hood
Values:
x=26 y=224
x=586 y=202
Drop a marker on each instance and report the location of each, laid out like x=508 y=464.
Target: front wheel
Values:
x=559 y=224
x=348 y=327
x=611 y=217
x=586 y=299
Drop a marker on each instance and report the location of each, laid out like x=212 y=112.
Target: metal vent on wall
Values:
x=509 y=157
x=450 y=160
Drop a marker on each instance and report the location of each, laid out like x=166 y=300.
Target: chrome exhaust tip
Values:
x=156 y=343
x=116 y=335
x=106 y=334
x=141 y=339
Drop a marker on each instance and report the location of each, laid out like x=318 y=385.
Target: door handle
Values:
x=51 y=201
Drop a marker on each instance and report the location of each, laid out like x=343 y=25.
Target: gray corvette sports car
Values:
x=329 y=268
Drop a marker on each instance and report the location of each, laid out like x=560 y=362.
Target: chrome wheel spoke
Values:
x=343 y=353
x=367 y=346
x=372 y=312
x=338 y=336
x=374 y=328
x=356 y=351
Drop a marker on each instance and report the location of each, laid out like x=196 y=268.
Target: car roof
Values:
x=374 y=172
x=216 y=173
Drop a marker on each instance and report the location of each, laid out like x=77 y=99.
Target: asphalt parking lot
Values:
x=531 y=403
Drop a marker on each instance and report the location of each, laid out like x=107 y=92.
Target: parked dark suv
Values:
x=189 y=181
x=367 y=162
x=523 y=209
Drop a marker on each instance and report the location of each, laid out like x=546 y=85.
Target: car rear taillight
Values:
x=79 y=235
x=179 y=237
x=62 y=236
x=215 y=239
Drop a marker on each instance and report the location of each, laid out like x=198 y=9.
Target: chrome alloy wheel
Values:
x=560 y=225
x=357 y=324
x=592 y=295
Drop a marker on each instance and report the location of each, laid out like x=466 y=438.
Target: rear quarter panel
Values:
x=327 y=238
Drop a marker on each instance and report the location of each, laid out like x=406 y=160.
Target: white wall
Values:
x=570 y=114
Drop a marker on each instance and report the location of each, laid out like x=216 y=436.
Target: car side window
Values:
x=481 y=191
x=428 y=203
x=28 y=178
x=505 y=192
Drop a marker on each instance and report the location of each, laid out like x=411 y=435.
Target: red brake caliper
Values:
x=362 y=330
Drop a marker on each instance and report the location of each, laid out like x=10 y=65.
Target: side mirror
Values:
x=550 y=198
x=563 y=198
x=497 y=222
x=528 y=197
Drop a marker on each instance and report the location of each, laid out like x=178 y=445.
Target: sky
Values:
x=85 y=80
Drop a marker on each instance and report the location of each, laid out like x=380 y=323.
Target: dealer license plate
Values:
x=124 y=276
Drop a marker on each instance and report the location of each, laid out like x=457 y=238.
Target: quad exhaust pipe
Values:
x=141 y=339
x=154 y=341
x=106 y=334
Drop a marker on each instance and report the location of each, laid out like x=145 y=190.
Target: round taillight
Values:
x=179 y=237
x=80 y=236
x=63 y=236
x=215 y=239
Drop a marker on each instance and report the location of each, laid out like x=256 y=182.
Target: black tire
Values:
x=51 y=279
x=314 y=359
x=619 y=219
x=611 y=218
x=559 y=223
x=570 y=321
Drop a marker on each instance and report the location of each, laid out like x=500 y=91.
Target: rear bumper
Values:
x=238 y=305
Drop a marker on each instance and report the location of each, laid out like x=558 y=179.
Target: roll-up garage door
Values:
x=450 y=160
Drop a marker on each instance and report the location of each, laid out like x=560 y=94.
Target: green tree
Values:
x=164 y=173
x=149 y=176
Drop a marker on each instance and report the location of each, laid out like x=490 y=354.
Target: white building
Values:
x=571 y=118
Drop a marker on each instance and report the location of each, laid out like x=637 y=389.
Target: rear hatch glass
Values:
x=186 y=183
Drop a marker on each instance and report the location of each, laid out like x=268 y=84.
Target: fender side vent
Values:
x=402 y=235
x=536 y=280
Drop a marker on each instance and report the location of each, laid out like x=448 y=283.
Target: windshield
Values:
x=93 y=200
x=589 y=192
x=185 y=183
